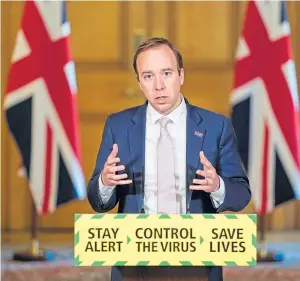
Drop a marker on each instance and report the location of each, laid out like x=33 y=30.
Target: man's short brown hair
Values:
x=155 y=42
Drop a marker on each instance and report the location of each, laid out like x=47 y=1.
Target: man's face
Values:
x=159 y=78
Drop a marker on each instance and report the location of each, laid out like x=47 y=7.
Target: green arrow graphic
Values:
x=253 y=262
x=76 y=238
x=230 y=263
x=254 y=243
x=120 y=263
x=77 y=217
x=186 y=216
x=77 y=261
x=201 y=240
x=142 y=216
x=208 y=263
x=208 y=216
x=98 y=263
x=252 y=217
x=142 y=263
x=164 y=263
x=120 y=216
x=164 y=217
x=97 y=216
x=231 y=216
x=186 y=263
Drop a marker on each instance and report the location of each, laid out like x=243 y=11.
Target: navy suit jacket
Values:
x=205 y=130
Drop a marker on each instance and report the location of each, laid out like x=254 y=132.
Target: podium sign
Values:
x=165 y=240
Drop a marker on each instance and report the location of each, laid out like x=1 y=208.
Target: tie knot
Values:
x=163 y=122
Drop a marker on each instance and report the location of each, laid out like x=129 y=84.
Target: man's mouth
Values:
x=161 y=97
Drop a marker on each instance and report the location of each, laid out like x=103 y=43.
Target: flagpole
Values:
x=262 y=228
x=33 y=253
x=263 y=255
x=34 y=231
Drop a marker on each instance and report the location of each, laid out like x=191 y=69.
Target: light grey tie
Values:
x=166 y=181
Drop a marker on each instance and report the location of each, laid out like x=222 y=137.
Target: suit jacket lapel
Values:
x=195 y=134
x=136 y=135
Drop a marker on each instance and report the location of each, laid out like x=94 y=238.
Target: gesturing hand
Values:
x=108 y=175
x=211 y=181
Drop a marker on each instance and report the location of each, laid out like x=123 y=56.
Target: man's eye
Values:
x=168 y=73
x=147 y=76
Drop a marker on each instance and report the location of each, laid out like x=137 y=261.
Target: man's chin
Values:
x=164 y=108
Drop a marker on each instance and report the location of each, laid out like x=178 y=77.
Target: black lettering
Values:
x=148 y=233
x=184 y=233
x=193 y=248
x=225 y=246
x=136 y=233
x=111 y=246
x=119 y=244
x=192 y=236
x=91 y=233
x=211 y=248
x=89 y=247
x=139 y=246
x=242 y=246
x=115 y=232
x=167 y=230
x=223 y=233
x=184 y=246
x=176 y=247
x=99 y=231
x=239 y=233
x=234 y=247
x=104 y=246
x=147 y=246
x=214 y=231
x=164 y=246
x=174 y=233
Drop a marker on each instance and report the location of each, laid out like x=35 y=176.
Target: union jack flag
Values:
x=40 y=105
x=265 y=105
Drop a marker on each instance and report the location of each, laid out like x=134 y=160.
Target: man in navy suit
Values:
x=167 y=156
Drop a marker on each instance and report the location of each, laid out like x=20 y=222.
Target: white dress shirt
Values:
x=177 y=131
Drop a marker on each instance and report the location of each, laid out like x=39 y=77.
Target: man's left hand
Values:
x=211 y=181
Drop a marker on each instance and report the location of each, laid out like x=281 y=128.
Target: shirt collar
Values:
x=175 y=115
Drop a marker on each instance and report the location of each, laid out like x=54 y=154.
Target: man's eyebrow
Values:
x=146 y=71
x=164 y=69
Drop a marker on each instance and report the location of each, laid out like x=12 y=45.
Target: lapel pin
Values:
x=198 y=134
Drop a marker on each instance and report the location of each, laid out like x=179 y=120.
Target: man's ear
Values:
x=181 y=74
x=137 y=78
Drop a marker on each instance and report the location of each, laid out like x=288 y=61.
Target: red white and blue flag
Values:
x=41 y=107
x=265 y=106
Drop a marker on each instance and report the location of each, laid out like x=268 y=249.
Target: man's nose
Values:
x=159 y=84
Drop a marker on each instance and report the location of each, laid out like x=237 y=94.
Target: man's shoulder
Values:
x=124 y=116
x=128 y=112
x=209 y=115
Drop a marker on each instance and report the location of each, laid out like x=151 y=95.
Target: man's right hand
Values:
x=108 y=175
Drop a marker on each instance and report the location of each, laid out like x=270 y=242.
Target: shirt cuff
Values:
x=105 y=191
x=219 y=195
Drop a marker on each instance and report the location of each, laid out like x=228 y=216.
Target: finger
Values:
x=119 y=177
x=112 y=161
x=204 y=160
x=205 y=188
x=206 y=174
x=121 y=182
x=113 y=169
x=203 y=182
x=115 y=150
